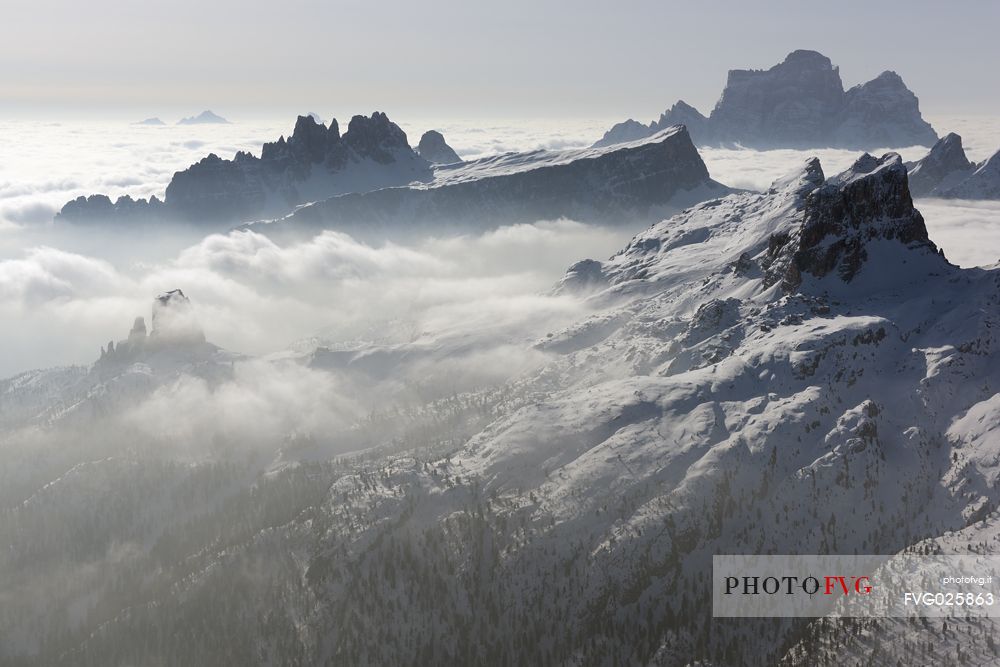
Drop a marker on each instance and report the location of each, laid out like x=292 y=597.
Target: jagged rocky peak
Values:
x=867 y=203
x=943 y=167
x=310 y=137
x=174 y=327
x=434 y=148
x=376 y=137
x=174 y=318
x=315 y=162
x=310 y=142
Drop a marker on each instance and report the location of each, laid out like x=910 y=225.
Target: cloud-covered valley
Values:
x=69 y=289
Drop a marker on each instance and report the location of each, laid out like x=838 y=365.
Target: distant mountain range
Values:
x=798 y=103
x=370 y=178
x=313 y=163
x=204 y=118
x=644 y=180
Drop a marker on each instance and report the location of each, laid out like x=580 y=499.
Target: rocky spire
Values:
x=174 y=319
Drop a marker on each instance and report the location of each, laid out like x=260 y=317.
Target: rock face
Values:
x=791 y=104
x=882 y=112
x=630 y=182
x=433 y=148
x=868 y=202
x=942 y=168
x=314 y=163
x=798 y=103
x=204 y=118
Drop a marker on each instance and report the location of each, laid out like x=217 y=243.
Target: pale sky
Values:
x=511 y=58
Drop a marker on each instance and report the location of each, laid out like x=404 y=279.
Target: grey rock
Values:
x=788 y=105
x=870 y=201
x=435 y=149
x=882 y=112
x=798 y=103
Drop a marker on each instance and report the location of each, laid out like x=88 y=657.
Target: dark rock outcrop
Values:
x=435 y=149
x=798 y=103
x=99 y=208
x=868 y=202
x=587 y=275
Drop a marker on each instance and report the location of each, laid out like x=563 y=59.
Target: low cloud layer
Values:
x=254 y=296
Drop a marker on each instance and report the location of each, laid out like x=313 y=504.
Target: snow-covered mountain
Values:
x=638 y=181
x=798 y=103
x=946 y=172
x=794 y=371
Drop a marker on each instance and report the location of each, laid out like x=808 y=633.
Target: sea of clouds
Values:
x=63 y=292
